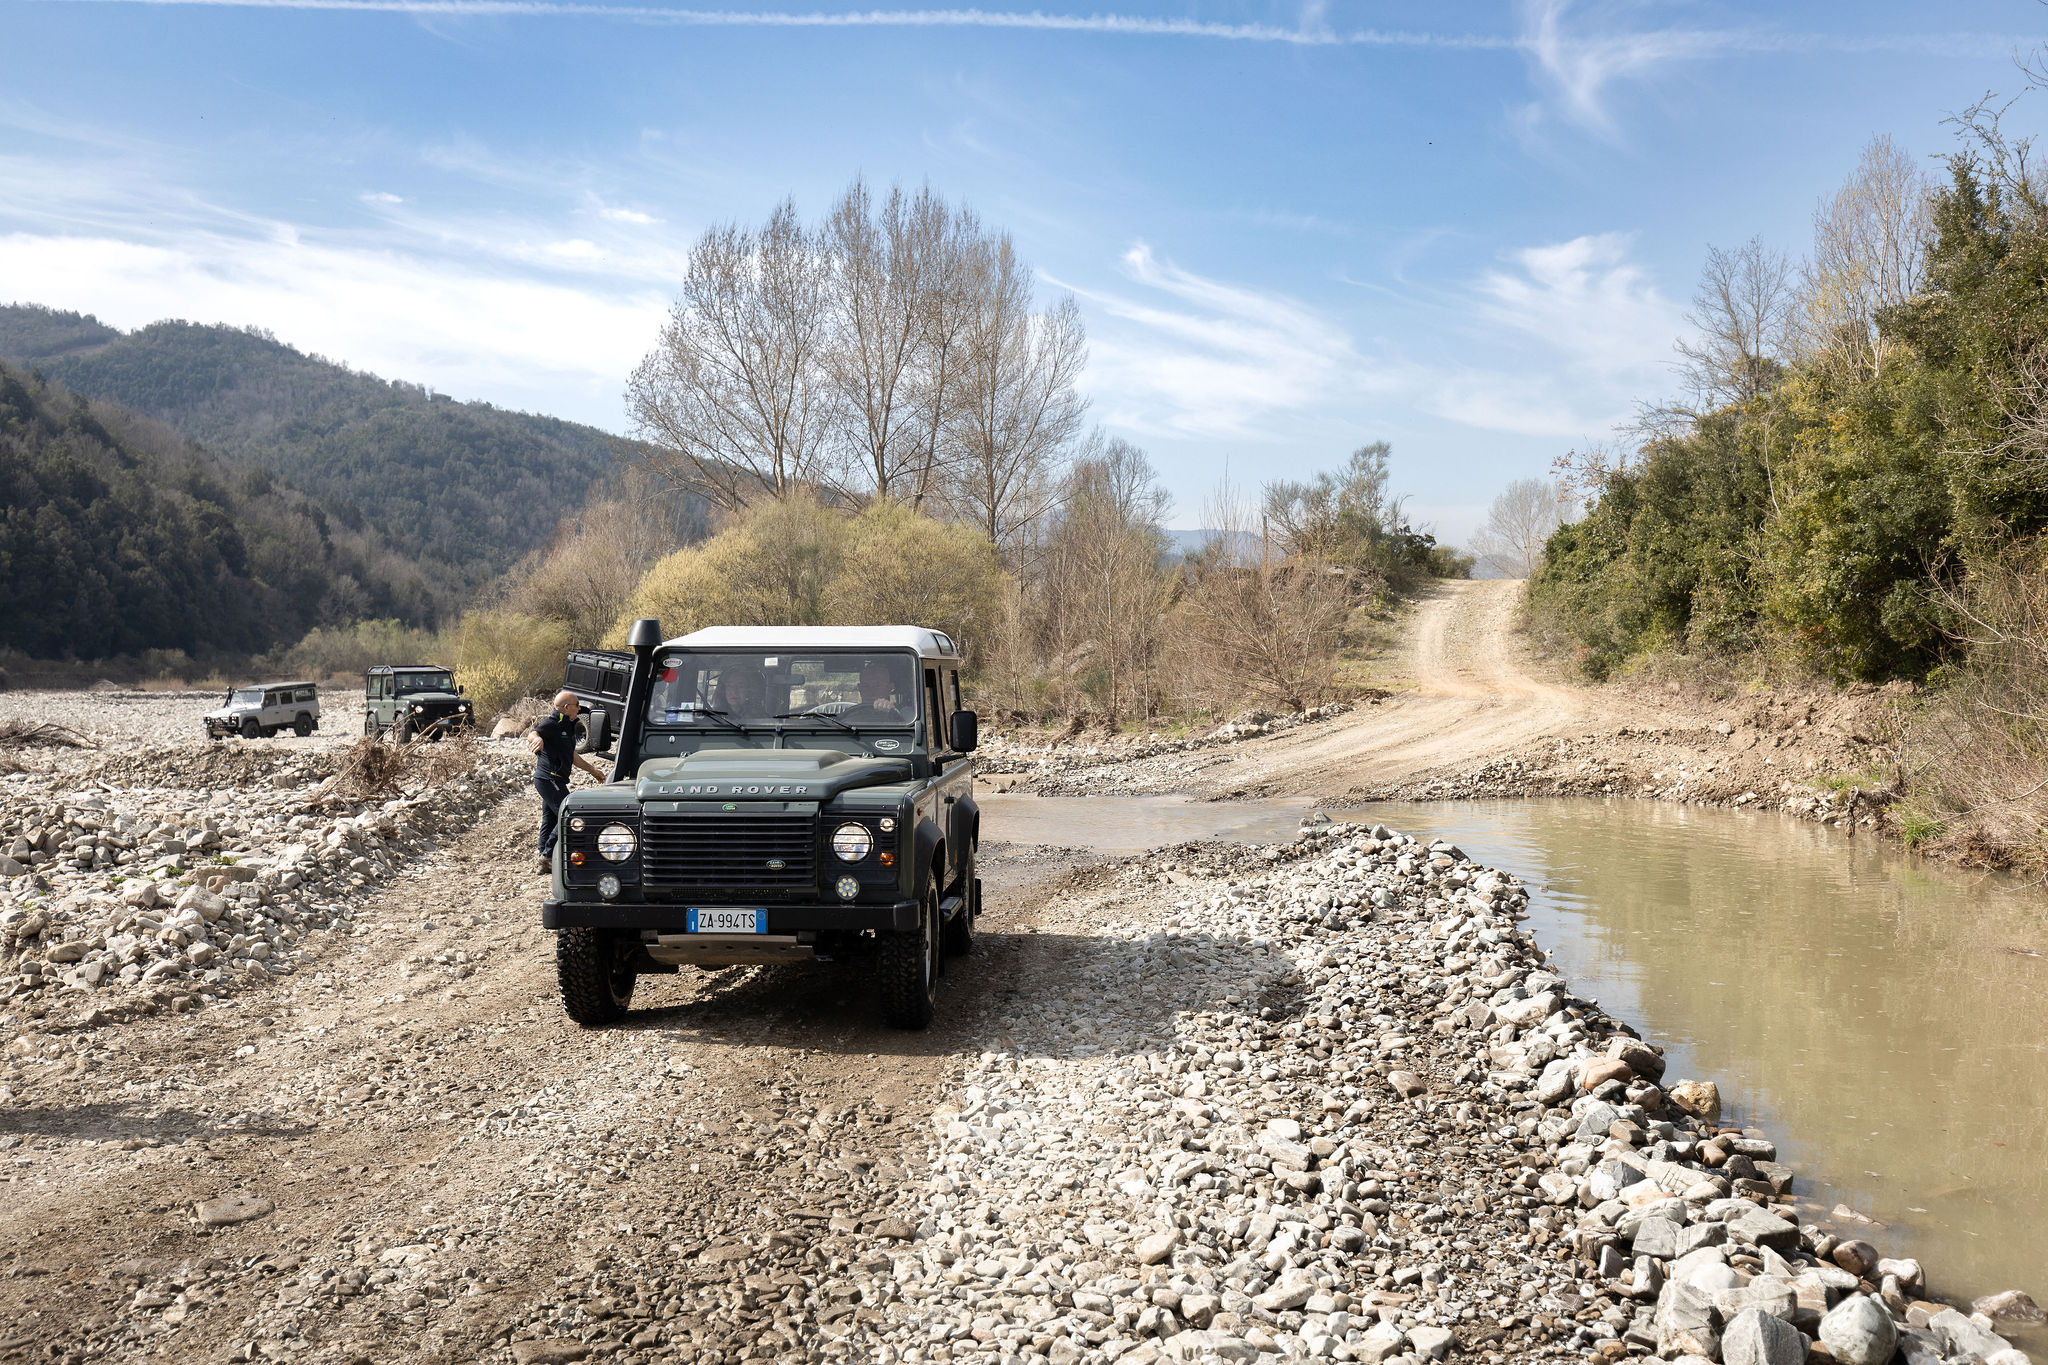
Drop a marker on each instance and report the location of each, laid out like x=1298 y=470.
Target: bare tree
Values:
x=1742 y=311
x=585 y=579
x=948 y=241
x=1018 y=407
x=734 y=396
x=1100 y=593
x=1518 y=524
x=1257 y=624
x=879 y=282
x=1869 y=253
x=1331 y=514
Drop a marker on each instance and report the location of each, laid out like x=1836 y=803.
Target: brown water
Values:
x=1886 y=1022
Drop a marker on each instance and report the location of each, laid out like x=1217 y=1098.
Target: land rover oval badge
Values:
x=886 y=745
x=776 y=864
x=728 y=806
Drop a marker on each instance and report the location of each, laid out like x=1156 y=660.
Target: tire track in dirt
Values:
x=452 y=1162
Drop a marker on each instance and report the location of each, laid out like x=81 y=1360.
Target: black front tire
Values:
x=594 y=969
x=405 y=733
x=250 y=729
x=959 y=937
x=910 y=966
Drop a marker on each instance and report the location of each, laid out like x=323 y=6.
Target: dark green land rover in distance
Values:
x=777 y=794
x=412 y=700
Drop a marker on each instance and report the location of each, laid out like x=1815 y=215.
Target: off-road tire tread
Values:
x=906 y=1003
x=582 y=968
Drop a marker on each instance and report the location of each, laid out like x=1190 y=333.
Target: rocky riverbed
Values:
x=1082 y=764
x=1384 y=1130
x=153 y=876
x=1323 y=1099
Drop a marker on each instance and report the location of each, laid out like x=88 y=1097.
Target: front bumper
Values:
x=670 y=916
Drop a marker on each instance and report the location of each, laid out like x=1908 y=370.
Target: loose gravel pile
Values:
x=1133 y=766
x=112 y=716
x=1390 y=1133
x=160 y=876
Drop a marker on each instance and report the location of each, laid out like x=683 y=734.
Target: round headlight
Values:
x=852 y=843
x=616 y=843
x=848 y=888
x=608 y=886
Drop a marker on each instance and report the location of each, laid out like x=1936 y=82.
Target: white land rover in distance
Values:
x=261 y=711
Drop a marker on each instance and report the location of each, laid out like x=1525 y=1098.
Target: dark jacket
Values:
x=557 y=754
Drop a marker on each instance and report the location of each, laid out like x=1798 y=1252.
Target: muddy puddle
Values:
x=1886 y=1022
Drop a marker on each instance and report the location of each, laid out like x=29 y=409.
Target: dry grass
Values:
x=1979 y=754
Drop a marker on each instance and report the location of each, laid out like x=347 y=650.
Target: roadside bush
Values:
x=772 y=565
x=500 y=655
x=900 y=566
x=332 y=651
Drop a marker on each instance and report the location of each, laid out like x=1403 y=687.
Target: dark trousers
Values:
x=552 y=790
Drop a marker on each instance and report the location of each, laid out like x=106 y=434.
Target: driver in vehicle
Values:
x=879 y=704
x=741 y=693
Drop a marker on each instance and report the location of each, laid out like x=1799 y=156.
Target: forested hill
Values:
x=118 y=536
x=466 y=488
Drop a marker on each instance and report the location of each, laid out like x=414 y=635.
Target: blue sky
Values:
x=1292 y=227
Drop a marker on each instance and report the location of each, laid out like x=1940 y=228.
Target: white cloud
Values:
x=633 y=216
x=1579 y=65
x=1580 y=333
x=380 y=197
x=1195 y=357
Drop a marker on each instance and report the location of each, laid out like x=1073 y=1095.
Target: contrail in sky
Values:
x=920 y=18
x=1670 y=42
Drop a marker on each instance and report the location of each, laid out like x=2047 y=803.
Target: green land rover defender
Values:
x=777 y=794
x=413 y=700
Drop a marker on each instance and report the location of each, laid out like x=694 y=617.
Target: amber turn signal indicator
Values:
x=577 y=858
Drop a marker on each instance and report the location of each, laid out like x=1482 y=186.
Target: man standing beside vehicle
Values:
x=553 y=742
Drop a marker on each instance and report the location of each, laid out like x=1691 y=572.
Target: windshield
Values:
x=423 y=682
x=757 y=687
x=246 y=696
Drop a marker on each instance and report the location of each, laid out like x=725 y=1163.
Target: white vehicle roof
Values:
x=931 y=644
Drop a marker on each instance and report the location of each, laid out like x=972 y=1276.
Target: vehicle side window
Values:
x=935 y=724
x=953 y=683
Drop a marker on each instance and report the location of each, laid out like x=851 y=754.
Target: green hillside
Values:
x=118 y=536
x=465 y=488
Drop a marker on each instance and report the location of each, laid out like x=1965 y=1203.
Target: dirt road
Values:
x=1462 y=689
x=442 y=1159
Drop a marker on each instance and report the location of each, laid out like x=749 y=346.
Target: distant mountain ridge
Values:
x=466 y=489
x=118 y=536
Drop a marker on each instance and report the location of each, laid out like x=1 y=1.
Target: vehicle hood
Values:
x=782 y=774
x=429 y=699
x=230 y=712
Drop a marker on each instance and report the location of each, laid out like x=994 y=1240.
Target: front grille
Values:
x=730 y=852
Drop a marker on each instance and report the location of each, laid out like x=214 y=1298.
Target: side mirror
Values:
x=459 y=689
x=963 y=729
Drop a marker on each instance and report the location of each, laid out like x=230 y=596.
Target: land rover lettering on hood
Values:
x=777 y=794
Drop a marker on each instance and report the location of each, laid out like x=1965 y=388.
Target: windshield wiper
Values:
x=723 y=716
x=818 y=715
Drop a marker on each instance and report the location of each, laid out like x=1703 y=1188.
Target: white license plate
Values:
x=726 y=922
